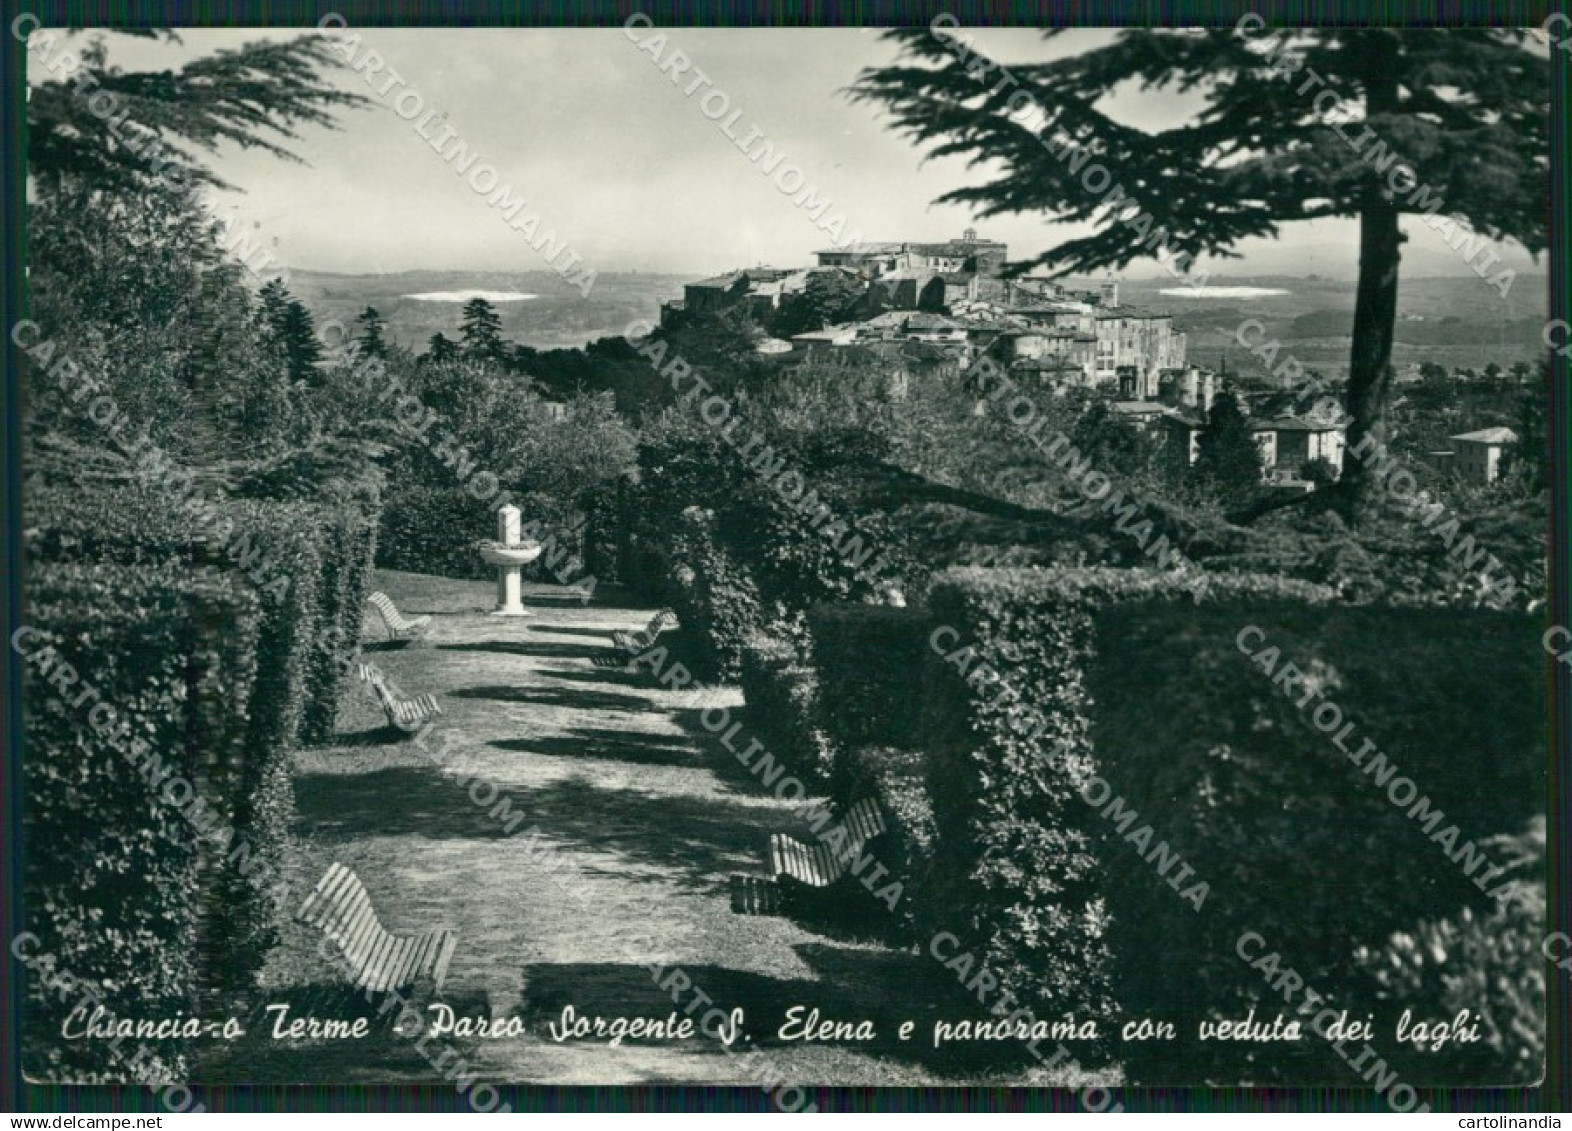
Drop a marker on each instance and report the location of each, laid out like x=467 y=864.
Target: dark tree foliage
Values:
x=298 y=334
x=826 y=299
x=371 y=340
x=1110 y=441
x=1299 y=124
x=439 y=349
x=286 y=323
x=1227 y=464
x=481 y=332
x=256 y=97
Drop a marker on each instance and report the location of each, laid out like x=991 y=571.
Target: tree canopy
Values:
x=1296 y=124
x=257 y=97
x=481 y=332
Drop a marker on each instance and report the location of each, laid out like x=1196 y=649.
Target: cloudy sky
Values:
x=630 y=172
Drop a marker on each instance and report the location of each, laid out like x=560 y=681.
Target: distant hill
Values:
x=557 y=316
x=1450 y=320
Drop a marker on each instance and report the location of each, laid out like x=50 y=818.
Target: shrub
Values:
x=438 y=530
x=814 y=548
x=780 y=692
x=1489 y=964
x=897 y=778
x=288 y=651
x=870 y=658
x=111 y=882
x=1259 y=801
x=1017 y=876
x=435 y=530
x=606 y=532
x=349 y=549
x=714 y=598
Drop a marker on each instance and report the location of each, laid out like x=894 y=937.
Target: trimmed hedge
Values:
x=1017 y=877
x=349 y=552
x=1490 y=963
x=438 y=530
x=715 y=599
x=112 y=864
x=288 y=649
x=780 y=692
x=870 y=660
x=1262 y=803
x=1139 y=753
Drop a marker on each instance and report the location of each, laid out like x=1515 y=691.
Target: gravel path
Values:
x=632 y=822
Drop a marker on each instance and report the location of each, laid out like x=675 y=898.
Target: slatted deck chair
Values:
x=398 y=628
x=406 y=714
x=819 y=865
x=755 y=895
x=378 y=959
x=644 y=639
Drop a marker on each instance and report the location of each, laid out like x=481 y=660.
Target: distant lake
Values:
x=466 y=296
x=1225 y=292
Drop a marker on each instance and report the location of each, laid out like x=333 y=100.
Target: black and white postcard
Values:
x=789 y=559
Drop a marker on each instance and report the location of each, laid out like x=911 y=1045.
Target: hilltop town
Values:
x=944 y=306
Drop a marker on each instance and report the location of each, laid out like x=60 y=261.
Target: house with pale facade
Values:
x=1479 y=454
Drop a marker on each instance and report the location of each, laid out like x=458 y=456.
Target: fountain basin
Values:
x=494 y=553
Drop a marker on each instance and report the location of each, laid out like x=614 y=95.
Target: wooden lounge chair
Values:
x=755 y=895
x=406 y=714
x=398 y=628
x=378 y=959
x=819 y=865
x=644 y=639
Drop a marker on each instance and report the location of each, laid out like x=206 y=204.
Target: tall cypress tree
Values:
x=481 y=332
x=1228 y=463
x=371 y=341
x=440 y=348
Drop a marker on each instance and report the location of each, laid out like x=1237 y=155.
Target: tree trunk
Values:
x=1375 y=303
x=1370 y=362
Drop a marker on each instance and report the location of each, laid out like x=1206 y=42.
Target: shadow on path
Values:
x=399 y=801
x=583 y=744
x=544 y=648
x=572 y=697
x=693 y=842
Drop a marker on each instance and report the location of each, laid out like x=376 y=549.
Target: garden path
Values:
x=633 y=820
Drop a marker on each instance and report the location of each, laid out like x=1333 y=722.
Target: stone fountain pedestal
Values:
x=510 y=556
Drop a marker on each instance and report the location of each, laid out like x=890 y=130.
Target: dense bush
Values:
x=715 y=599
x=279 y=551
x=129 y=525
x=1490 y=964
x=1017 y=875
x=112 y=863
x=1260 y=802
x=349 y=551
x=606 y=518
x=780 y=691
x=870 y=658
x=435 y=530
